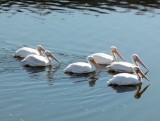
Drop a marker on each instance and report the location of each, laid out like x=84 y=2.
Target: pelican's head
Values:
x=49 y=54
x=138 y=71
x=91 y=59
x=114 y=51
x=113 y=48
x=136 y=68
x=40 y=49
x=135 y=56
x=136 y=59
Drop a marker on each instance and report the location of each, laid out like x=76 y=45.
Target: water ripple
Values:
x=45 y=7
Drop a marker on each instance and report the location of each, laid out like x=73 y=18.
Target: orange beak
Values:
x=117 y=53
x=55 y=58
x=142 y=74
x=137 y=59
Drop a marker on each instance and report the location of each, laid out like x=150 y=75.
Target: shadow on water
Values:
x=91 y=81
x=32 y=70
x=137 y=88
x=75 y=75
x=44 y=7
x=36 y=71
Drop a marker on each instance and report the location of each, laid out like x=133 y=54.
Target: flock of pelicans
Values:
x=128 y=73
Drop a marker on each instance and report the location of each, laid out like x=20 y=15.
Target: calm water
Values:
x=73 y=30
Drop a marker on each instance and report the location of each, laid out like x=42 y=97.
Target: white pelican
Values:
x=38 y=60
x=105 y=59
x=25 y=51
x=127 y=78
x=83 y=67
x=126 y=66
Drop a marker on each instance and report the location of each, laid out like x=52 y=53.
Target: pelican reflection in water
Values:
x=91 y=81
x=36 y=72
x=138 y=88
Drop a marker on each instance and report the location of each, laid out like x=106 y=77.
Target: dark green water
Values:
x=74 y=30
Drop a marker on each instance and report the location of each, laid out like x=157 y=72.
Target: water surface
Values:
x=74 y=30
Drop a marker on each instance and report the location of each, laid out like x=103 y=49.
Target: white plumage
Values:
x=128 y=79
x=105 y=59
x=126 y=66
x=118 y=79
x=25 y=51
x=37 y=60
x=82 y=67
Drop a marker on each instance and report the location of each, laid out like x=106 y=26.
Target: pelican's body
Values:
x=82 y=67
x=121 y=67
x=127 y=79
x=79 y=67
x=105 y=59
x=25 y=51
x=125 y=66
x=102 y=58
x=124 y=79
x=37 y=60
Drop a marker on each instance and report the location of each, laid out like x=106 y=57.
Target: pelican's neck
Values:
x=40 y=52
x=134 y=62
x=48 y=58
x=114 y=56
x=139 y=77
x=95 y=68
x=92 y=65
